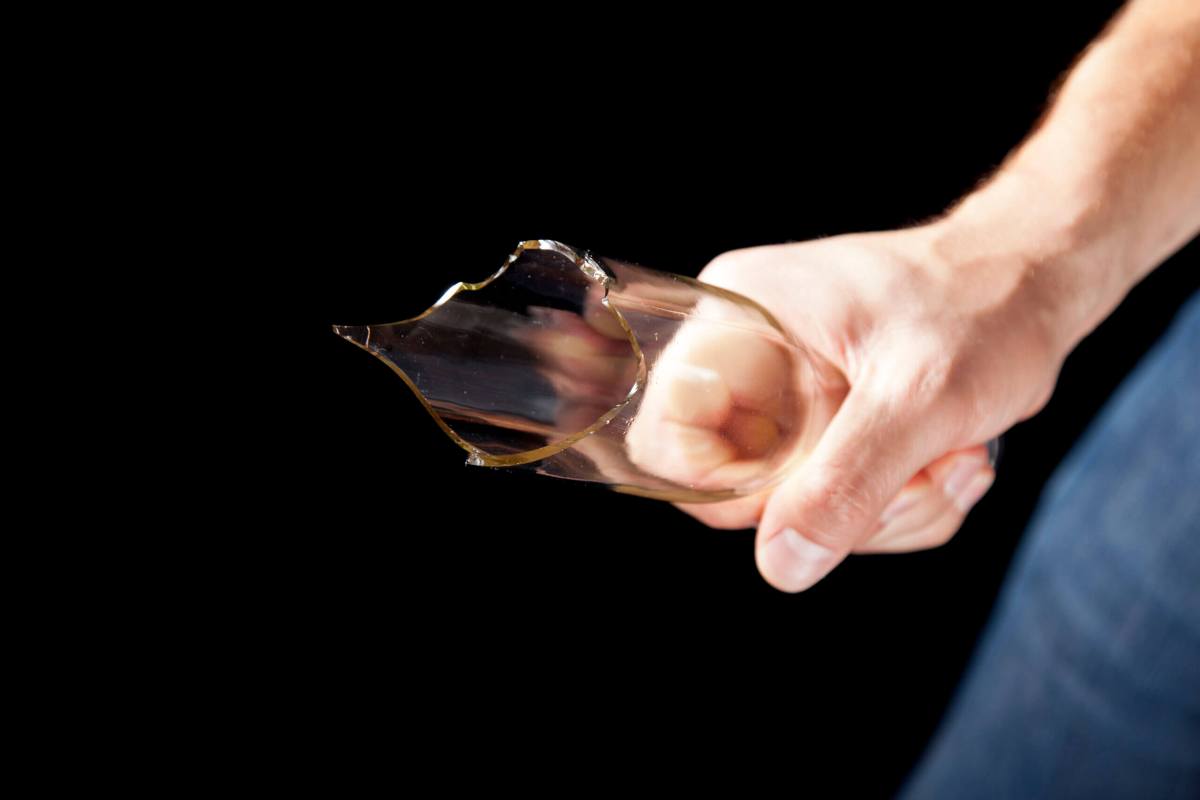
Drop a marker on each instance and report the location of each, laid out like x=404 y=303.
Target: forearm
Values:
x=1108 y=185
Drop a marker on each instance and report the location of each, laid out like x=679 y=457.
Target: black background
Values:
x=420 y=607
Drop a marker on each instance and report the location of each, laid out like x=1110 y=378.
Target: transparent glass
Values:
x=589 y=368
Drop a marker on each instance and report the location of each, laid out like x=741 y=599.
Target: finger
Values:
x=712 y=415
x=737 y=514
x=685 y=454
x=939 y=530
x=833 y=500
x=754 y=370
x=692 y=394
x=754 y=435
x=934 y=486
x=927 y=499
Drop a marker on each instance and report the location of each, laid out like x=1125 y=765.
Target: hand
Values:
x=938 y=352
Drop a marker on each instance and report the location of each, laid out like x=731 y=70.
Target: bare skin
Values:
x=950 y=332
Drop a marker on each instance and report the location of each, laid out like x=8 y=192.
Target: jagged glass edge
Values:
x=476 y=456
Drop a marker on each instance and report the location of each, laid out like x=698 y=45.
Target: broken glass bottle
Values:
x=590 y=368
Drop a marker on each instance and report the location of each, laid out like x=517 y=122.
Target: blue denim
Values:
x=1086 y=682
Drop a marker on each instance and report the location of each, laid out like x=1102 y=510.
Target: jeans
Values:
x=1086 y=682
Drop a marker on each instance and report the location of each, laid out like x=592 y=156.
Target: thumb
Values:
x=833 y=500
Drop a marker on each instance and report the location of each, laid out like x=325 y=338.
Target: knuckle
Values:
x=723 y=266
x=1040 y=401
x=941 y=536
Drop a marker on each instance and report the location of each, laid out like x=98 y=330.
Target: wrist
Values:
x=1046 y=249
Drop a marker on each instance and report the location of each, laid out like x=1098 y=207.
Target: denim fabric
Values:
x=1086 y=682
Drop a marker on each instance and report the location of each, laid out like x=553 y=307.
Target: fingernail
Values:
x=903 y=502
x=793 y=562
x=960 y=475
x=974 y=490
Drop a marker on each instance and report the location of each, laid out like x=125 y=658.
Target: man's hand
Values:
x=950 y=332
x=937 y=357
